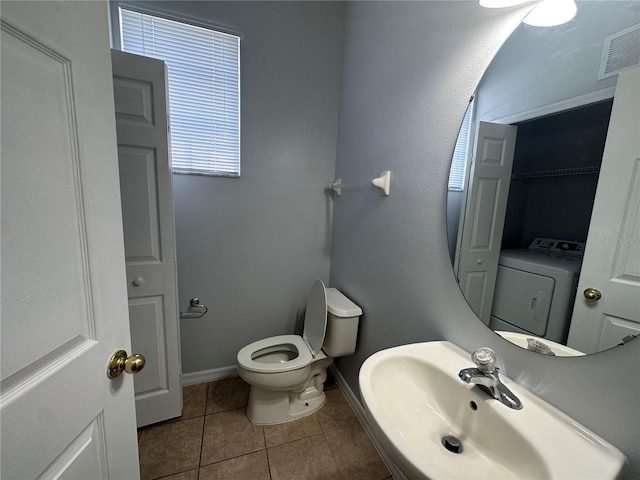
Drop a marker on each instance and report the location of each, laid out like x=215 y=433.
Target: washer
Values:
x=536 y=288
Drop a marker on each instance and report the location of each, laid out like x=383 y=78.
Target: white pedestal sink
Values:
x=414 y=399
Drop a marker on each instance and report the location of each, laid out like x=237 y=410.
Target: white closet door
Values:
x=483 y=222
x=140 y=91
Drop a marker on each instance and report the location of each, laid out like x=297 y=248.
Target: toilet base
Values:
x=270 y=407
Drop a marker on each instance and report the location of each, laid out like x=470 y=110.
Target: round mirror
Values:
x=543 y=206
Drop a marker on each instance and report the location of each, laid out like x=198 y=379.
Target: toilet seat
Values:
x=247 y=354
x=307 y=347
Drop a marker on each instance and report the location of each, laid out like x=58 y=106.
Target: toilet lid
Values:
x=315 y=319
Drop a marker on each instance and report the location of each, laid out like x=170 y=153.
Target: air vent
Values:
x=621 y=50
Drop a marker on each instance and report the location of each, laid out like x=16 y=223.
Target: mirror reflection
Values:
x=543 y=222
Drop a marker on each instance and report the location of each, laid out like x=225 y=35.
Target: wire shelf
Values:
x=556 y=173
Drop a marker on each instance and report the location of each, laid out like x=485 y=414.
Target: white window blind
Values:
x=460 y=153
x=204 y=89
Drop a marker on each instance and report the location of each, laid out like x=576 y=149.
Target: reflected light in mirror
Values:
x=551 y=12
x=501 y=3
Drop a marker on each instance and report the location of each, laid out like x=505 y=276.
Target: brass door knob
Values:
x=592 y=294
x=121 y=362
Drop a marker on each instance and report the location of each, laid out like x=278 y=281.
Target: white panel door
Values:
x=140 y=91
x=64 y=306
x=612 y=254
x=483 y=222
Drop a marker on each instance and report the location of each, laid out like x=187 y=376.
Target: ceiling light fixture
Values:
x=547 y=13
x=550 y=13
x=501 y=3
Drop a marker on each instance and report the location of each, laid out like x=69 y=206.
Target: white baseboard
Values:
x=204 y=376
x=362 y=416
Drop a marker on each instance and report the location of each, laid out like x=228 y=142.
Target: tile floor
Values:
x=214 y=440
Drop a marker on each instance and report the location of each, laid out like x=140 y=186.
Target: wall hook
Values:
x=336 y=186
x=383 y=182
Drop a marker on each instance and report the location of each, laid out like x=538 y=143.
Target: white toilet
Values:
x=287 y=372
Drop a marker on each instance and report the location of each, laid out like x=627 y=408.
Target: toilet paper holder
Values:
x=194 y=303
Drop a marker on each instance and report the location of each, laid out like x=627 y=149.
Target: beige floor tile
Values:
x=355 y=455
x=330 y=444
x=189 y=475
x=253 y=466
x=336 y=413
x=170 y=448
x=288 y=432
x=309 y=459
x=194 y=400
x=227 y=394
x=229 y=434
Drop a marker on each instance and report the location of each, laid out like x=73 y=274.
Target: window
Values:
x=460 y=153
x=203 y=68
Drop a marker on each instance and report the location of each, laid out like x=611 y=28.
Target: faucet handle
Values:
x=485 y=359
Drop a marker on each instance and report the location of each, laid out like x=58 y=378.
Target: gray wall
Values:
x=251 y=247
x=408 y=71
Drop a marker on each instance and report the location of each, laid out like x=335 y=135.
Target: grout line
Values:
x=176 y=473
x=204 y=421
x=233 y=457
x=295 y=440
x=266 y=450
x=225 y=411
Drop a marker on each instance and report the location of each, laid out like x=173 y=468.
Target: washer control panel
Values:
x=565 y=248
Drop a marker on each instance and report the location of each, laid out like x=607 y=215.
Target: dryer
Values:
x=536 y=288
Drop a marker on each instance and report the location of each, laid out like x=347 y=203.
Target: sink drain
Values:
x=452 y=444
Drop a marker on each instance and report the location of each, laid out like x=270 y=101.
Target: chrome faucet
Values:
x=487 y=378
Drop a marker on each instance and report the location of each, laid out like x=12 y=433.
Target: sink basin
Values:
x=414 y=399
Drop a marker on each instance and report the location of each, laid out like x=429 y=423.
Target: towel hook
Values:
x=382 y=182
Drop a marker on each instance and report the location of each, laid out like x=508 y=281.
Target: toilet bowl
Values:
x=287 y=372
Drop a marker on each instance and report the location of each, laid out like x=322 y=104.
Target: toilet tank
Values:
x=342 y=325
